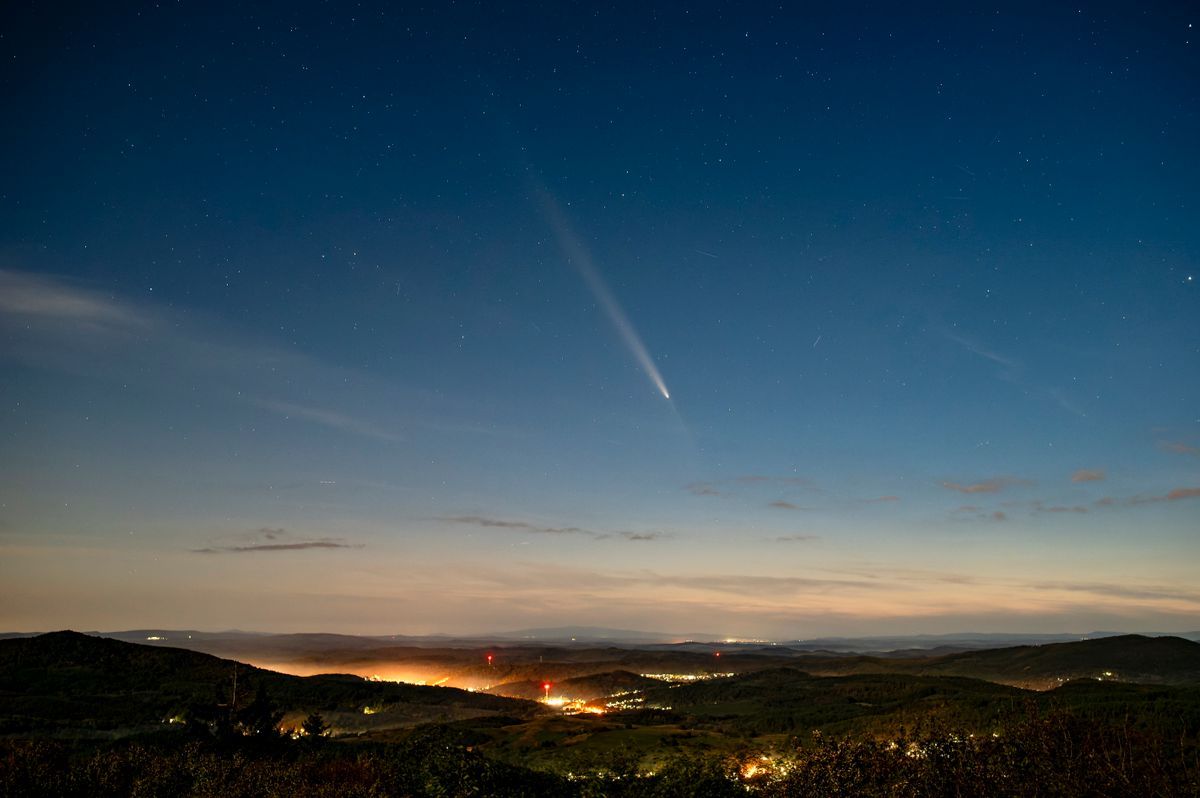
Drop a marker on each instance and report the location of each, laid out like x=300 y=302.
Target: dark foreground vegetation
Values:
x=1052 y=755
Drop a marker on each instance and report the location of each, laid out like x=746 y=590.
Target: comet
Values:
x=579 y=257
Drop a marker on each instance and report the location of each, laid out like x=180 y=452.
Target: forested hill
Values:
x=1125 y=658
x=70 y=680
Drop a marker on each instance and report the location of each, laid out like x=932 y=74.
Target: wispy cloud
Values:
x=978 y=349
x=796 y=538
x=68 y=326
x=640 y=536
x=742 y=584
x=525 y=526
x=1042 y=508
x=752 y=478
x=1178 y=494
x=330 y=418
x=267 y=539
x=758 y=487
x=993 y=485
x=1178 y=447
x=299 y=545
x=1065 y=403
x=978 y=513
x=39 y=299
x=1089 y=475
x=1120 y=591
x=718 y=487
x=1133 y=590
x=1013 y=371
x=768 y=604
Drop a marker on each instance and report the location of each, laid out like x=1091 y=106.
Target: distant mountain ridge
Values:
x=562 y=634
x=234 y=639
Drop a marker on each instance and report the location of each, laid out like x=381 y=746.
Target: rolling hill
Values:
x=91 y=686
x=1123 y=658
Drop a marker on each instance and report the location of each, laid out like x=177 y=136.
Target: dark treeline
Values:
x=1043 y=755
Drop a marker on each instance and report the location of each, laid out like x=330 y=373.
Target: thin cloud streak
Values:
x=993 y=485
x=331 y=419
x=497 y=523
x=978 y=513
x=710 y=487
x=59 y=325
x=1175 y=495
x=1119 y=591
x=867 y=593
x=525 y=526
x=1089 y=475
x=1042 y=508
x=751 y=478
x=977 y=349
x=1014 y=372
x=640 y=536
x=301 y=545
x=53 y=301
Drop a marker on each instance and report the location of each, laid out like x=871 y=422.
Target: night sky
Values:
x=754 y=321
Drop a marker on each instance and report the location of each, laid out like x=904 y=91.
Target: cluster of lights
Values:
x=568 y=705
x=375 y=677
x=623 y=700
x=685 y=677
x=762 y=766
x=636 y=702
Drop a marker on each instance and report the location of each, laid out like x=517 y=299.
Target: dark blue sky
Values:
x=313 y=313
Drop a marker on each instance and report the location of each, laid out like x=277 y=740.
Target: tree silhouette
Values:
x=260 y=718
x=314 y=726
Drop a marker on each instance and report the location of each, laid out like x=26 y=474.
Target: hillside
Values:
x=579 y=688
x=83 y=685
x=1123 y=658
x=790 y=700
